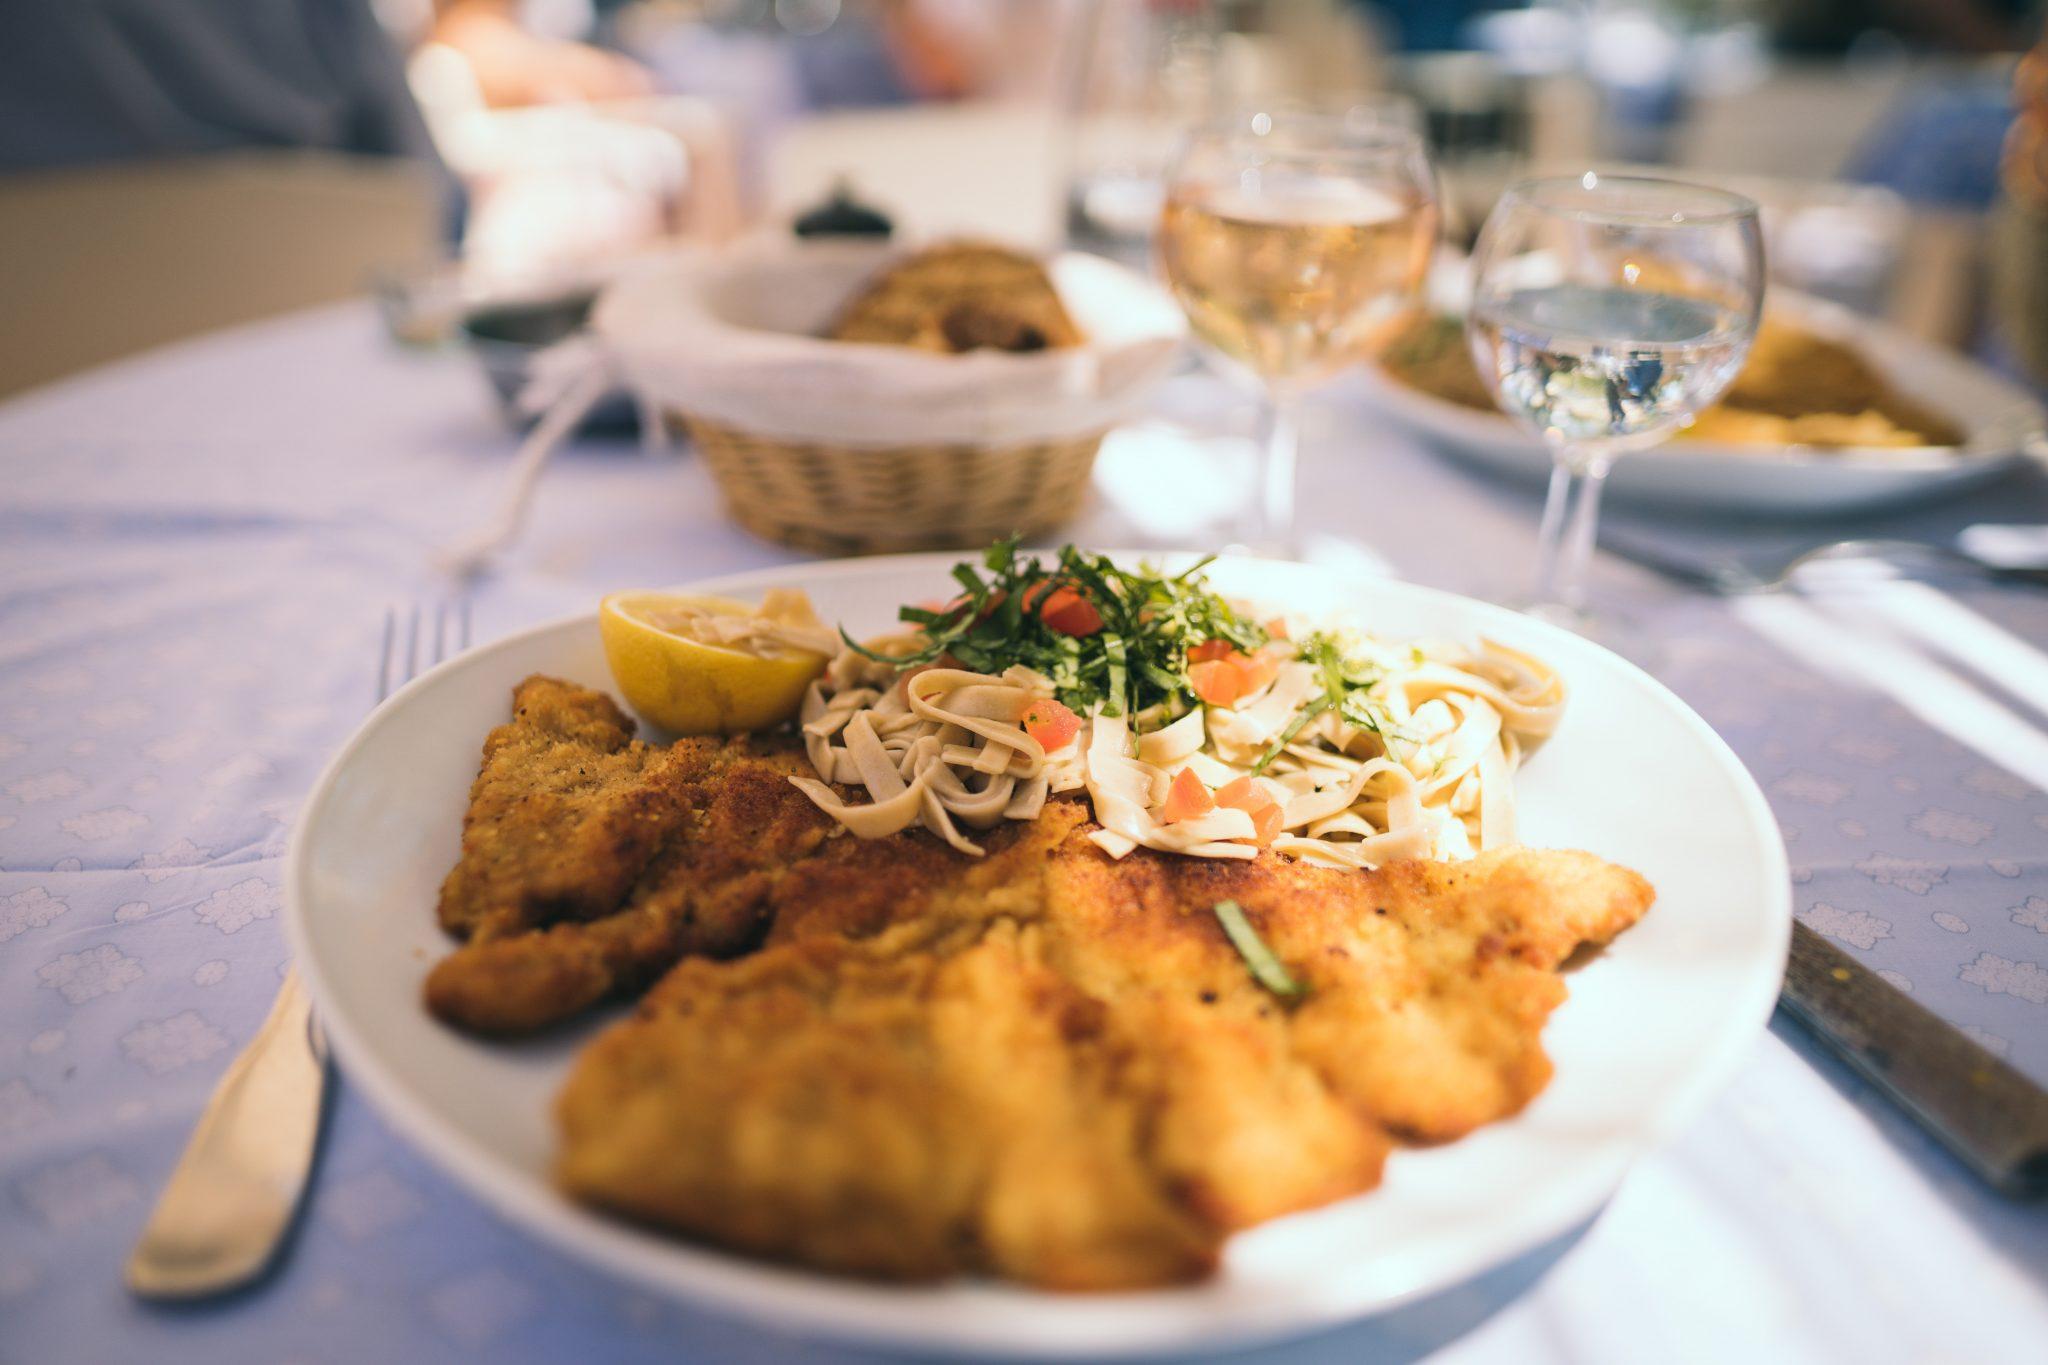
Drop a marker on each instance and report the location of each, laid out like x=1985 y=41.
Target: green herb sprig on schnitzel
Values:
x=1106 y=636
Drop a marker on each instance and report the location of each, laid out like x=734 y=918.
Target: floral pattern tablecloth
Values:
x=196 y=553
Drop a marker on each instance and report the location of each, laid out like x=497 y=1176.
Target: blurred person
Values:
x=85 y=82
x=188 y=164
x=514 y=66
x=2019 y=252
x=1830 y=27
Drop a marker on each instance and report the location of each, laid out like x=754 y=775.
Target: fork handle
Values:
x=232 y=1196
x=2035 y=575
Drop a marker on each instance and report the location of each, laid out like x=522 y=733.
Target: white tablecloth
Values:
x=196 y=550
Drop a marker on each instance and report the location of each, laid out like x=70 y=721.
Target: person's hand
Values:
x=512 y=67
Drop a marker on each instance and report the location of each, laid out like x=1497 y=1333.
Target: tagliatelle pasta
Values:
x=1412 y=756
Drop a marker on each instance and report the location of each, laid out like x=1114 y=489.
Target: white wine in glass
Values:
x=1294 y=240
x=1606 y=311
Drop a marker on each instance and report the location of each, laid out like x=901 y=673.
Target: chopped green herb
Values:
x=1346 y=682
x=1315 y=708
x=1266 y=969
x=1137 y=660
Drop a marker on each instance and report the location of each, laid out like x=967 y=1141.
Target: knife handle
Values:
x=1980 y=1107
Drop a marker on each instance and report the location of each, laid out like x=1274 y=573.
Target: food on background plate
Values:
x=1084 y=921
x=1796 y=388
x=960 y=297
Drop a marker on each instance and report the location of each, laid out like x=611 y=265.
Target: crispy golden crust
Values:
x=591 y=862
x=1054 y=1067
x=565 y=812
x=883 y=1058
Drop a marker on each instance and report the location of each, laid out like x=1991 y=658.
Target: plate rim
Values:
x=1403 y=402
x=1440 y=417
x=830 y=1308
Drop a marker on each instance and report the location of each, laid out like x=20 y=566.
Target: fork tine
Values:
x=462 y=623
x=412 y=643
x=390 y=648
x=440 y=631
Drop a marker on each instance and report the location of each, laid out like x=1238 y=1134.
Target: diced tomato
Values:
x=1218 y=682
x=1064 y=607
x=1070 y=613
x=1240 y=793
x=1051 y=724
x=1258 y=669
x=1277 y=627
x=1248 y=796
x=1186 y=799
x=1222 y=676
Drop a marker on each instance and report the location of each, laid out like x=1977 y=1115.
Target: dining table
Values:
x=199 y=548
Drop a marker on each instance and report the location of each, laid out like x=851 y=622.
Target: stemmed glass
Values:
x=1606 y=311
x=1294 y=237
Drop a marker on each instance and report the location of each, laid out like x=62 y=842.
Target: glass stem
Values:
x=1571 y=516
x=1279 y=442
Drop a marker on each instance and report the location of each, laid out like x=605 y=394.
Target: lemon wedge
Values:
x=700 y=665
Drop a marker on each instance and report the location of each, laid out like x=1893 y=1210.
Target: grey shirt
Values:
x=88 y=81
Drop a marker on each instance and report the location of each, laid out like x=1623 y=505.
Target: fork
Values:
x=231 y=1202
x=1732 y=578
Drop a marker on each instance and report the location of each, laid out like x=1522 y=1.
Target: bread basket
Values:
x=848 y=448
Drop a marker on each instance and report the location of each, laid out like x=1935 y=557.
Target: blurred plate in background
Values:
x=2002 y=424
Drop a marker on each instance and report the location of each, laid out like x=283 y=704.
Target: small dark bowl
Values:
x=505 y=337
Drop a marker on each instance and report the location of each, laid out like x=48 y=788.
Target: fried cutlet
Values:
x=563 y=815
x=884 y=1058
x=591 y=861
x=1054 y=1067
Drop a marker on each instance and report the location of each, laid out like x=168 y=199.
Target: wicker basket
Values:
x=849 y=500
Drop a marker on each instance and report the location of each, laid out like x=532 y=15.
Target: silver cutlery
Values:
x=1980 y=1107
x=1984 y=1111
x=1735 y=576
x=232 y=1200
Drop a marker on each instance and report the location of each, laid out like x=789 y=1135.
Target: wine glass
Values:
x=1606 y=311
x=1294 y=237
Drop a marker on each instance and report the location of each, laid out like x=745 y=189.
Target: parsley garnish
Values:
x=1138 y=659
x=1266 y=969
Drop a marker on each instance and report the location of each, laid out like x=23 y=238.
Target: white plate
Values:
x=1653 y=1026
x=2002 y=423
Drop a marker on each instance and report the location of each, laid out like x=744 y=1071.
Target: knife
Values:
x=1979 y=1106
x=1976 y=1104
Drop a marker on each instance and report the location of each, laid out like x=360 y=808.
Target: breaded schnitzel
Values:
x=1043 y=1064
x=1056 y=1068
x=592 y=861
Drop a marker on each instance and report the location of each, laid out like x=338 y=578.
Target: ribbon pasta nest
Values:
x=1337 y=748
